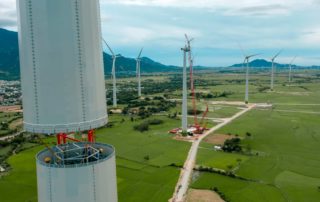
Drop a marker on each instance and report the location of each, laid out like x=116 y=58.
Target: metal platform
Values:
x=75 y=154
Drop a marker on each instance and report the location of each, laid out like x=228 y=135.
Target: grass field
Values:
x=289 y=166
x=8 y=118
x=138 y=179
x=221 y=160
x=288 y=144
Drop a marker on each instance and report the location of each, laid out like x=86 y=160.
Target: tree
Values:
x=232 y=145
x=147 y=157
x=184 y=133
x=4 y=126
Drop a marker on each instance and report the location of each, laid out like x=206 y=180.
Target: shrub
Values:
x=184 y=133
x=147 y=157
x=155 y=122
x=232 y=145
x=142 y=127
x=191 y=112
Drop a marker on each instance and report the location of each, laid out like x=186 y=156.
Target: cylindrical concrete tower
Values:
x=63 y=90
x=61 y=65
x=78 y=172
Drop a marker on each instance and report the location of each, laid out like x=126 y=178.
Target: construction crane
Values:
x=203 y=125
x=191 y=60
x=200 y=127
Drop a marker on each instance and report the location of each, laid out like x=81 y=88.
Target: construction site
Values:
x=198 y=127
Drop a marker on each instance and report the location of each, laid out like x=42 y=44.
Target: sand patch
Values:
x=14 y=108
x=198 y=195
x=294 y=93
x=16 y=123
x=218 y=139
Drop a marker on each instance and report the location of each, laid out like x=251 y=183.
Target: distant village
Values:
x=10 y=93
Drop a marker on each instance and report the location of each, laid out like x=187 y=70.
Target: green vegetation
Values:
x=6 y=119
x=221 y=160
x=239 y=190
x=232 y=145
x=139 y=178
x=287 y=164
x=280 y=146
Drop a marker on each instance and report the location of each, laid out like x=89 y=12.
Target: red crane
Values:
x=194 y=105
x=199 y=127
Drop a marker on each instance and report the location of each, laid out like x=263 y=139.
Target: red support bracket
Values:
x=91 y=137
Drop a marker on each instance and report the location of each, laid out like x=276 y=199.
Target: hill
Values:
x=9 y=55
x=261 y=63
x=126 y=65
x=10 y=67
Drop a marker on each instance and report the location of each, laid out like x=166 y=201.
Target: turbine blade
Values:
x=277 y=55
x=293 y=60
x=108 y=47
x=140 y=53
x=187 y=38
x=242 y=51
x=250 y=56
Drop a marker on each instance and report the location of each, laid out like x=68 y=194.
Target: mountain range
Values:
x=10 y=67
x=9 y=55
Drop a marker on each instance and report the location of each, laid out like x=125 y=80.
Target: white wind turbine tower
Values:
x=184 y=89
x=290 y=69
x=138 y=69
x=246 y=61
x=272 y=70
x=113 y=72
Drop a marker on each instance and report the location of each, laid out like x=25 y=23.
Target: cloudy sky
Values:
x=217 y=26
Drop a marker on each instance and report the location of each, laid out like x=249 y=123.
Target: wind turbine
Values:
x=272 y=70
x=138 y=72
x=246 y=60
x=290 y=68
x=113 y=72
x=185 y=49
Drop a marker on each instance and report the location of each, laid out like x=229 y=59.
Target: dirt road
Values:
x=186 y=172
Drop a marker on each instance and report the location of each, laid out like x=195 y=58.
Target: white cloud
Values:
x=310 y=37
x=8 y=17
x=236 y=7
x=164 y=34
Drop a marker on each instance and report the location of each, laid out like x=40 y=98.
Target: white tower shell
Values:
x=84 y=182
x=61 y=65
